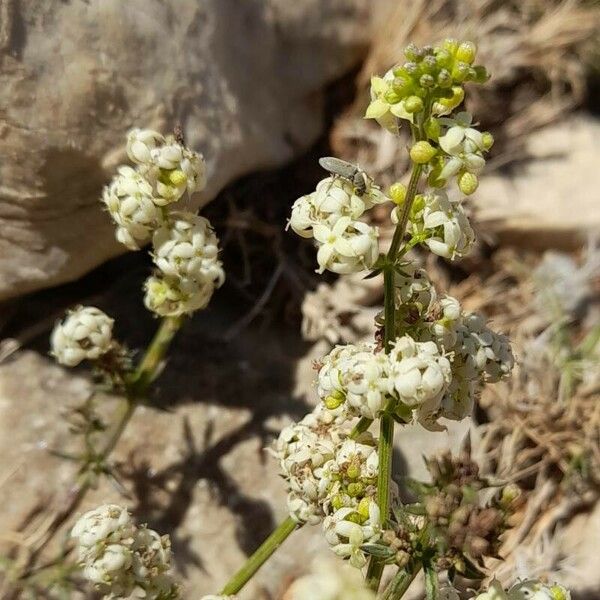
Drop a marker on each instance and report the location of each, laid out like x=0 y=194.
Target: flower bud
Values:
x=458 y=95
x=487 y=139
x=433 y=129
x=443 y=58
x=468 y=183
x=466 y=52
x=460 y=71
x=480 y=74
x=392 y=96
x=397 y=193
x=427 y=81
x=422 y=152
x=450 y=45
x=413 y=104
x=413 y=52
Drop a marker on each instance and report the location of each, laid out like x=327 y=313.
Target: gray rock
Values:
x=245 y=79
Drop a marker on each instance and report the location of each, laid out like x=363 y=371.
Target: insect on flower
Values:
x=346 y=170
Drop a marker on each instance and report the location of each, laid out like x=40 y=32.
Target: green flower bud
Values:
x=418 y=204
x=450 y=45
x=433 y=179
x=355 y=489
x=402 y=85
x=429 y=64
x=355 y=518
x=558 y=592
x=337 y=502
x=443 y=58
x=467 y=183
x=426 y=81
x=487 y=139
x=422 y=152
x=444 y=79
x=433 y=129
x=397 y=193
x=413 y=52
x=413 y=104
x=392 y=96
x=363 y=508
x=353 y=471
x=466 y=52
x=411 y=68
x=460 y=71
x=510 y=493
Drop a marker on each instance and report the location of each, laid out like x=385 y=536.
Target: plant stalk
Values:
x=400 y=584
x=146 y=372
x=259 y=557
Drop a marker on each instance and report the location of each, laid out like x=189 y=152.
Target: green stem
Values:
x=147 y=371
x=400 y=584
x=260 y=556
x=363 y=424
x=431 y=583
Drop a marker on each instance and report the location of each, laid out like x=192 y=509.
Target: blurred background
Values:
x=263 y=88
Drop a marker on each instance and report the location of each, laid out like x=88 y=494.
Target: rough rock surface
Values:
x=547 y=201
x=243 y=78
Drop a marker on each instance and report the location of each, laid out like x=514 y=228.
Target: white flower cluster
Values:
x=331 y=478
x=329 y=581
x=136 y=198
x=185 y=251
x=441 y=224
x=85 y=334
x=185 y=248
x=361 y=379
x=122 y=560
x=530 y=589
x=331 y=216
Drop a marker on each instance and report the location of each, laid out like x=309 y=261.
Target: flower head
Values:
x=85 y=334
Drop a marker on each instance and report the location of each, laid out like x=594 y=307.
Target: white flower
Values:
x=442 y=225
x=330 y=214
x=140 y=143
x=346 y=247
x=328 y=580
x=133 y=207
x=414 y=287
x=488 y=353
x=356 y=379
x=105 y=524
x=86 y=333
x=381 y=109
x=186 y=247
x=420 y=374
x=464 y=144
x=347 y=536
x=124 y=561
x=168 y=166
x=302 y=449
x=171 y=298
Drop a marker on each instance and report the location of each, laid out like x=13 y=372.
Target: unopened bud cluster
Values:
x=121 y=559
x=331 y=479
x=185 y=247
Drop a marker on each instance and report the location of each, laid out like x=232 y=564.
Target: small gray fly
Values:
x=341 y=168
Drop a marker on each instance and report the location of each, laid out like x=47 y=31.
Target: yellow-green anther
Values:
x=355 y=518
x=353 y=471
x=558 y=593
x=337 y=502
x=422 y=152
x=392 y=96
x=397 y=193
